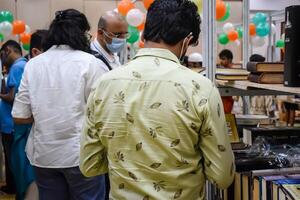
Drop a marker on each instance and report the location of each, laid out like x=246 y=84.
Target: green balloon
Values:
x=280 y=43
x=1 y=37
x=223 y=39
x=133 y=34
x=6 y=16
x=227 y=14
x=26 y=47
x=240 y=31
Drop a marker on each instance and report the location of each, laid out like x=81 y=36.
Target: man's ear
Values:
x=35 y=52
x=100 y=32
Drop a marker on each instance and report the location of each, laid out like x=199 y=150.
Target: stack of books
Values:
x=231 y=74
x=265 y=72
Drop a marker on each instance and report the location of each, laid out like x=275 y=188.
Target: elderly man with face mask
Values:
x=111 y=38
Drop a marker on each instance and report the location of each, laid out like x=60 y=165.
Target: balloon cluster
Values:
x=134 y=17
x=230 y=34
x=10 y=26
x=259 y=28
x=222 y=11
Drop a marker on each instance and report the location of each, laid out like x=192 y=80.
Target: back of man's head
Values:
x=257 y=58
x=226 y=53
x=170 y=21
x=13 y=45
x=37 y=41
x=109 y=15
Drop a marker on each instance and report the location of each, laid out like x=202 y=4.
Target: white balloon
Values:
x=228 y=27
x=6 y=28
x=273 y=28
x=27 y=29
x=258 y=41
x=237 y=42
x=135 y=17
x=283 y=36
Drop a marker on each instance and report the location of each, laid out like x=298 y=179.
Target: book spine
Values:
x=256 y=78
x=251 y=67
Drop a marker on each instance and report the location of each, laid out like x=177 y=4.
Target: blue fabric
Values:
x=68 y=183
x=13 y=81
x=22 y=170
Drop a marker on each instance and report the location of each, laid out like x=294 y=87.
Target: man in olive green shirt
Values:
x=155 y=126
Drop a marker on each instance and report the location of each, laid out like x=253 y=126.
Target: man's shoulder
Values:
x=21 y=62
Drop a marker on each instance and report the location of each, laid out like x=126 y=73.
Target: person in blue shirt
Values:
x=11 y=57
x=23 y=172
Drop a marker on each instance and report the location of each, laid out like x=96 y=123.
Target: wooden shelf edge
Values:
x=247 y=85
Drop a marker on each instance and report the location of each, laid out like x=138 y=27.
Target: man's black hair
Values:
x=70 y=28
x=226 y=53
x=257 y=58
x=12 y=44
x=37 y=40
x=170 y=21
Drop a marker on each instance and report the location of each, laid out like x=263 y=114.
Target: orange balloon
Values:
x=125 y=6
x=147 y=3
x=141 y=27
x=233 y=35
x=25 y=38
x=141 y=44
x=252 y=29
x=220 y=10
x=18 y=27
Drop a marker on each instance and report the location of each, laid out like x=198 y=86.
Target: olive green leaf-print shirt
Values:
x=158 y=129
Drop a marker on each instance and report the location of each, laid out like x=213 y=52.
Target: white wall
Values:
x=272 y=4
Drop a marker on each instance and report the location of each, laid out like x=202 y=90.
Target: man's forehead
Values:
x=116 y=25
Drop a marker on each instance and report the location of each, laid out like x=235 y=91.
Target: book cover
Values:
x=265 y=67
x=266 y=186
x=231 y=74
x=293 y=190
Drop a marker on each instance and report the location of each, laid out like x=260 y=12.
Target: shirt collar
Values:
x=62 y=47
x=157 y=52
x=20 y=59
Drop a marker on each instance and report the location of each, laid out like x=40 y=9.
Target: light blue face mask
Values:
x=116 y=45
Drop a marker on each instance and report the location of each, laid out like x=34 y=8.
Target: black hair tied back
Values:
x=69 y=27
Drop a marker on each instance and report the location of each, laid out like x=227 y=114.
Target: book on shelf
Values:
x=288 y=135
x=232 y=128
x=291 y=191
x=266 y=185
x=280 y=193
x=263 y=180
x=266 y=78
x=231 y=74
x=265 y=67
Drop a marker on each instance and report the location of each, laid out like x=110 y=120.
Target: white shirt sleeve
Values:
x=22 y=104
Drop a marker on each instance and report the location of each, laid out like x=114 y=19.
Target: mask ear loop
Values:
x=181 y=58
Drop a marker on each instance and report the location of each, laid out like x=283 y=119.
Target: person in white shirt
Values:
x=53 y=95
x=111 y=38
